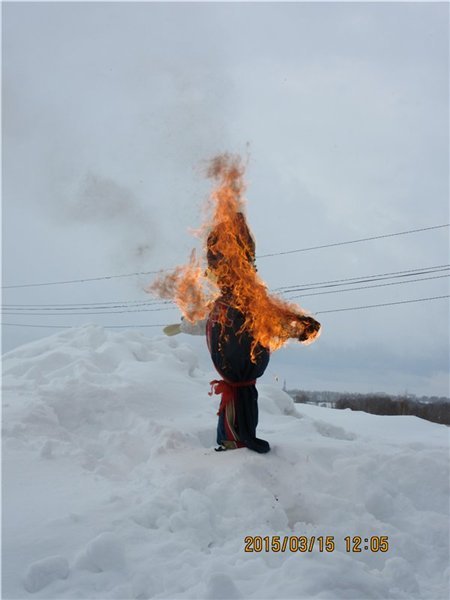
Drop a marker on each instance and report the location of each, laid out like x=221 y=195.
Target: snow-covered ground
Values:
x=112 y=489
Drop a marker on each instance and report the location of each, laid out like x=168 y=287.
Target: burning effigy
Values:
x=222 y=295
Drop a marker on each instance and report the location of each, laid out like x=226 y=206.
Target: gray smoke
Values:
x=118 y=216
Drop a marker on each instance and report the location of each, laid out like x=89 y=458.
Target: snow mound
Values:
x=108 y=461
x=103 y=553
x=221 y=587
x=41 y=573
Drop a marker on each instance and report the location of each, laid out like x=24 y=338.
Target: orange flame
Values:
x=185 y=286
x=231 y=272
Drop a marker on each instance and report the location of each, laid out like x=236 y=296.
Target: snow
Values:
x=112 y=489
x=104 y=553
x=43 y=572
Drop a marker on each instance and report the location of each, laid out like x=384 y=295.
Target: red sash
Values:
x=227 y=389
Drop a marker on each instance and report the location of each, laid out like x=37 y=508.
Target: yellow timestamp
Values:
x=374 y=543
x=320 y=543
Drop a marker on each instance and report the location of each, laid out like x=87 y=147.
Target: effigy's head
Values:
x=229 y=244
x=218 y=243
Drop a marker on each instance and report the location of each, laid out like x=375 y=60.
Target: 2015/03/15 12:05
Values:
x=303 y=543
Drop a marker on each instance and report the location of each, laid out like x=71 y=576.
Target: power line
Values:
x=23 y=285
x=90 y=304
x=322 y=312
x=285 y=289
x=363 y=279
x=98 y=312
x=367 y=287
x=74 y=326
x=334 y=244
x=118 y=312
x=375 y=237
x=86 y=306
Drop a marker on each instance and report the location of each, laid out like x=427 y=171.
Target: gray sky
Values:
x=109 y=111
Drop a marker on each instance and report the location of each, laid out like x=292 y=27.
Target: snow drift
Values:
x=111 y=487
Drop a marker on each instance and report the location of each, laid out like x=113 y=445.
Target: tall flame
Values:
x=231 y=272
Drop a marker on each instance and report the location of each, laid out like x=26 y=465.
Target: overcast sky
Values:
x=110 y=110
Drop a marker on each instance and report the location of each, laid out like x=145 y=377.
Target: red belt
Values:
x=227 y=388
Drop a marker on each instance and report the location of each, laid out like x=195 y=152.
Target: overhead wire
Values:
x=84 y=306
x=97 y=312
x=363 y=278
x=84 y=280
x=367 y=287
x=65 y=312
x=321 y=312
x=72 y=326
x=130 y=305
x=284 y=289
x=307 y=249
x=105 y=303
x=357 y=241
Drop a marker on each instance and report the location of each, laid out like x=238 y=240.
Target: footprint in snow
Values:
x=332 y=431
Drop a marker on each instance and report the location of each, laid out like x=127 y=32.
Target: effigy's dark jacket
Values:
x=231 y=355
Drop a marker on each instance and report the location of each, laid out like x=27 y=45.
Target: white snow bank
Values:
x=43 y=572
x=109 y=470
x=104 y=553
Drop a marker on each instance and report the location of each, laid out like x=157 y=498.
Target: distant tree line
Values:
x=435 y=409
